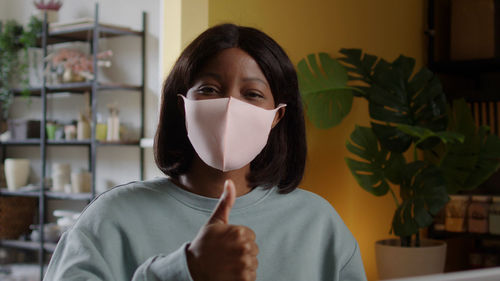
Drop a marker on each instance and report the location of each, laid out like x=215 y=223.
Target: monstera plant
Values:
x=408 y=112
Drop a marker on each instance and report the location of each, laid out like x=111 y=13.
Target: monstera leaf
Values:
x=324 y=90
x=468 y=164
x=378 y=165
x=423 y=134
x=423 y=191
x=396 y=97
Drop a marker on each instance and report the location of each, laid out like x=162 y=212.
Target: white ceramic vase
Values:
x=394 y=261
x=81 y=182
x=17 y=173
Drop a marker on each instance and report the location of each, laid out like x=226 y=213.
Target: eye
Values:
x=207 y=90
x=254 y=95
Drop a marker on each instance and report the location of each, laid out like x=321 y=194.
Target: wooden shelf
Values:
x=28 y=245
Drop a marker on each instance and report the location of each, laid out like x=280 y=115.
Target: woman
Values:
x=231 y=123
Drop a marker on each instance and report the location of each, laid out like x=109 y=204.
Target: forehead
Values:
x=231 y=62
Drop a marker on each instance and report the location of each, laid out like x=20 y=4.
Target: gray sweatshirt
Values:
x=140 y=231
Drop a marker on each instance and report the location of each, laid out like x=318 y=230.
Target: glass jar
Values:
x=456 y=212
x=494 y=215
x=478 y=213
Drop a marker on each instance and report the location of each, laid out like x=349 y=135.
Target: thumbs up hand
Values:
x=222 y=251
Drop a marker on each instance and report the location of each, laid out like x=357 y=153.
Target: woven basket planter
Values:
x=16 y=215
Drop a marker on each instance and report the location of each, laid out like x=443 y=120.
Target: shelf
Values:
x=6 y=192
x=27 y=245
x=36 y=142
x=48 y=194
x=125 y=143
x=68 y=196
x=447 y=235
x=68 y=142
x=85 y=32
x=81 y=87
x=467 y=66
x=21 y=142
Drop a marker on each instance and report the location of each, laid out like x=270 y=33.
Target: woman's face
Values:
x=232 y=73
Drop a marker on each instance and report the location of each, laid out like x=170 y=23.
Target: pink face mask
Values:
x=227 y=133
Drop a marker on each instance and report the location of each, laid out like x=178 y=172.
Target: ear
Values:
x=278 y=116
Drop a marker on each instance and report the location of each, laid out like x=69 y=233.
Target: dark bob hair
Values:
x=282 y=160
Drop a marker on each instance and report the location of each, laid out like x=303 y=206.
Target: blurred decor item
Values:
x=474 y=30
x=83 y=125
x=60 y=176
x=51 y=232
x=50 y=129
x=72 y=65
x=21 y=129
x=494 y=216
x=3 y=181
x=456 y=213
x=51 y=8
x=66 y=218
x=409 y=113
x=101 y=131
x=81 y=181
x=69 y=132
x=15 y=41
x=16 y=215
x=113 y=123
x=17 y=173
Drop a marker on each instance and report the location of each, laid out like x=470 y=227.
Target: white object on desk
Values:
x=488 y=274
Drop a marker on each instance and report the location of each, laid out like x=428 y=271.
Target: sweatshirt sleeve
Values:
x=353 y=270
x=77 y=258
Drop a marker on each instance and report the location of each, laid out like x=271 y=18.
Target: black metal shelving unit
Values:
x=484 y=105
x=47 y=38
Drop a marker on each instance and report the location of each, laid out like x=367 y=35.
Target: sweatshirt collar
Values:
x=207 y=204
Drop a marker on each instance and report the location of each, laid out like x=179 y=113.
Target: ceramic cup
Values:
x=17 y=173
x=80 y=182
x=60 y=176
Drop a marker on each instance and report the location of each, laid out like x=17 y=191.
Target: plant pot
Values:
x=394 y=261
x=17 y=173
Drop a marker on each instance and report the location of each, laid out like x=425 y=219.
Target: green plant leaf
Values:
x=396 y=97
x=423 y=134
x=423 y=190
x=468 y=164
x=324 y=90
x=378 y=165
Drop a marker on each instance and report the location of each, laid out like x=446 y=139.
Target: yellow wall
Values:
x=386 y=28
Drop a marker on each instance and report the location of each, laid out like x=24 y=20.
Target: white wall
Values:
x=115 y=165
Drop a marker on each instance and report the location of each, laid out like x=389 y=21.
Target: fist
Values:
x=222 y=251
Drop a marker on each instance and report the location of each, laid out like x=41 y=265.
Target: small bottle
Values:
x=456 y=212
x=494 y=216
x=478 y=214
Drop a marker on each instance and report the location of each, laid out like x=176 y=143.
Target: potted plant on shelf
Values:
x=408 y=113
x=13 y=65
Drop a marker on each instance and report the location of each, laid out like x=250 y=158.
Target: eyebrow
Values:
x=246 y=79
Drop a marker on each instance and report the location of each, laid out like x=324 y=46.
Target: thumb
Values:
x=223 y=208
